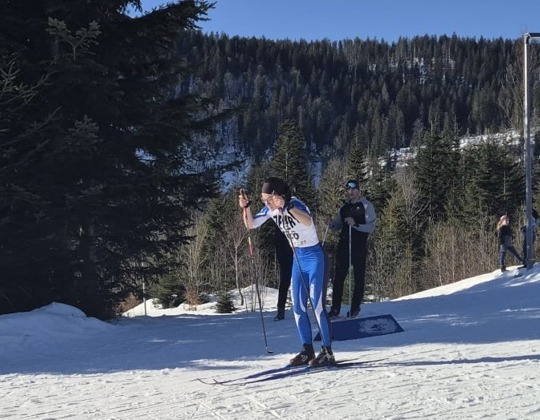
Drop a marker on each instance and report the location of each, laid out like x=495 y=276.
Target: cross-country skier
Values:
x=294 y=219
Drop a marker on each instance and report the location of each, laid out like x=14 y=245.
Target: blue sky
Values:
x=388 y=20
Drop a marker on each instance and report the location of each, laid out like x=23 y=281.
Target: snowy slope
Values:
x=469 y=350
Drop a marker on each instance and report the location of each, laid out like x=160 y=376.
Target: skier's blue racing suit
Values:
x=307 y=271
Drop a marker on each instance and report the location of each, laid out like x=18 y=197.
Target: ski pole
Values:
x=258 y=296
x=250 y=245
x=325 y=233
x=350 y=268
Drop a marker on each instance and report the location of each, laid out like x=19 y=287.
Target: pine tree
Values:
x=110 y=174
x=225 y=304
x=290 y=162
x=169 y=292
x=494 y=180
x=357 y=166
x=380 y=185
x=436 y=173
x=331 y=198
x=392 y=251
x=331 y=189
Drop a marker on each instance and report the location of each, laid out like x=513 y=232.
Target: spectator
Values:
x=504 y=233
x=356 y=220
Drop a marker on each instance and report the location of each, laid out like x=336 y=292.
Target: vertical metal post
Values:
x=350 y=276
x=144 y=296
x=529 y=257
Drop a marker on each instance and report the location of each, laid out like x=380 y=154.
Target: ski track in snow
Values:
x=470 y=385
x=469 y=351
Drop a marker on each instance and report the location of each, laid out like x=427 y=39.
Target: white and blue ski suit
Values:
x=307 y=271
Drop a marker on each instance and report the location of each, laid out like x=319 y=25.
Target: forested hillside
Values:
x=110 y=126
x=377 y=95
x=350 y=105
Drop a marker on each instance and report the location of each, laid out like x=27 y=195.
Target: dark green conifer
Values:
x=225 y=304
x=100 y=171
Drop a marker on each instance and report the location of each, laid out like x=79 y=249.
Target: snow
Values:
x=468 y=350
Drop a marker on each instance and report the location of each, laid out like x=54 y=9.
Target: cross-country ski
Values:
x=286 y=371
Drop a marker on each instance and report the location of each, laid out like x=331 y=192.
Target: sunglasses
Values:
x=351 y=185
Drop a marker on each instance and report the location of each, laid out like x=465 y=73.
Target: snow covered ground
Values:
x=469 y=350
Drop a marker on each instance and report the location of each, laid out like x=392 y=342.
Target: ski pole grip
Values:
x=244 y=196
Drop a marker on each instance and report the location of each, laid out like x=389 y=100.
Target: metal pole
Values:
x=350 y=269
x=144 y=296
x=325 y=233
x=258 y=294
x=527 y=144
x=252 y=258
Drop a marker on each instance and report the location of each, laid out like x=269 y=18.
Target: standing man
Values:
x=356 y=217
x=294 y=219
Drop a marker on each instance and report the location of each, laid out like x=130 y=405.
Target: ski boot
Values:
x=324 y=358
x=280 y=314
x=333 y=314
x=306 y=355
x=353 y=313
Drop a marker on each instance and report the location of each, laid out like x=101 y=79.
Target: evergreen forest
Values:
x=117 y=132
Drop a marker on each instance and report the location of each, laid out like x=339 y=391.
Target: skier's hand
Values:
x=243 y=201
x=350 y=221
x=279 y=201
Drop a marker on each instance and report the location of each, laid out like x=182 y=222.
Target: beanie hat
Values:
x=274 y=185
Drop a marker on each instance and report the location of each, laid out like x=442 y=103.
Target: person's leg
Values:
x=313 y=267
x=285 y=260
x=502 y=256
x=285 y=269
x=342 y=267
x=299 y=300
x=300 y=292
x=359 y=264
x=514 y=252
x=314 y=271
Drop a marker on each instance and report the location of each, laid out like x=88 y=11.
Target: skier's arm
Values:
x=244 y=204
x=295 y=209
x=251 y=221
x=248 y=217
x=371 y=219
x=301 y=216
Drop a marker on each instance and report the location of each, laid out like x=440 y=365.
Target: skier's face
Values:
x=268 y=199
x=353 y=193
